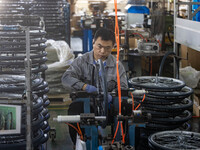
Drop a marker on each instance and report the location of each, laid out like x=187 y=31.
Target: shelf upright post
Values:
x=28 y=64
x=175 y=44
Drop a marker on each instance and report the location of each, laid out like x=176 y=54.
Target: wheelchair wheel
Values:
x=174 y=140
x=153 y=83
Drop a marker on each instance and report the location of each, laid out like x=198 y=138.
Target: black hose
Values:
x=163 y=61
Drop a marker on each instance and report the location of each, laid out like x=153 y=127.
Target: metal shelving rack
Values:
x=20 y=29
x=26 y=101
x=28 y=91
x=186 y=31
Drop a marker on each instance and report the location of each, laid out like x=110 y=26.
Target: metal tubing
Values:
x=28 y=91
x=175 y=44
x=75 y=118
x=68 y=118
x=139 y=92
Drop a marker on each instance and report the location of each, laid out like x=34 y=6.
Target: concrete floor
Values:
x=62 y=140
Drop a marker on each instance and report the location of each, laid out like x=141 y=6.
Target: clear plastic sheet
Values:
x=59 y=54
x=190 y=76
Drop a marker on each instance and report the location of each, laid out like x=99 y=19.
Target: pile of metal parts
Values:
x=12 y=69
x=166 y=100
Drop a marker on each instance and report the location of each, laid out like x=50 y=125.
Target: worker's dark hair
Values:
x=105 y=34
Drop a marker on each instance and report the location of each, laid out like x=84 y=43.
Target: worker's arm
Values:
x=78 y=75
x=72 y=76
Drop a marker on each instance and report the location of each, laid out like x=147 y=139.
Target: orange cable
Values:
x=118 y=76
x=132 y=101
x=140 y=103
x=81 y=134
x=159 y=43
x=140 y=36
x=115 y=132
x=123 y=135
x=73 y=127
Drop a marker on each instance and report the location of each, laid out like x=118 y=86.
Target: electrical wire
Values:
x=123 y=134
x=140 y=36
x=117 y=41
x=81 y=134
x=115 y=132
x=140 y=103
x=75 y=129
x=118 y=76
x=159 y=43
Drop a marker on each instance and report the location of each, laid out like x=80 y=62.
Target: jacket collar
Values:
x=110 y=61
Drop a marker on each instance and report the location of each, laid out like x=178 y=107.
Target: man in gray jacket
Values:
x=81 y=74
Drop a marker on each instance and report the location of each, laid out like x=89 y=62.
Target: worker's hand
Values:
x=90 y=88
x=109 y=98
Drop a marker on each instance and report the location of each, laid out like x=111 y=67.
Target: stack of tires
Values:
x=56 y=16
x=166 y=100
x=12 y=73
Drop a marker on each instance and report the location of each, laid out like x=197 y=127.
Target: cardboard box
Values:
x=74 y=21
x=190 y=57
x=196 y=100
x=146 y=65
x=72 y=9
x=196 y=110
x=196 y=107
x=132 y=42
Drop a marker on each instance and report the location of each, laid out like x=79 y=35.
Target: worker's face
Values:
x=102 y=49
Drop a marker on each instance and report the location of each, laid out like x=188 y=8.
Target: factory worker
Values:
x=81 y=73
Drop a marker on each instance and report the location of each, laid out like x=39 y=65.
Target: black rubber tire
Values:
x=185 y=104
x=157 y=83
x=183 y=93
x=184 y=117
x=175 y=140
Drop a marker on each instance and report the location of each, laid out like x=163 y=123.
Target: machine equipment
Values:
x=164 y=106
x=91 y=121
x=147 y=46
x=99 y=114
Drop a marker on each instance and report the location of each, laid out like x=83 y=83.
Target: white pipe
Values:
x=139 y=92
x=68 y=118
x=75 y=118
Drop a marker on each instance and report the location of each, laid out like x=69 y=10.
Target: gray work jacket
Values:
x=80 y=73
